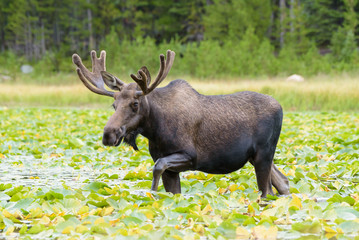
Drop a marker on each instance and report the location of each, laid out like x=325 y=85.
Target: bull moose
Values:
x=189 y=131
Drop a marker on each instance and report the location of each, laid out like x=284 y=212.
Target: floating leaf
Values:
x=307 y=227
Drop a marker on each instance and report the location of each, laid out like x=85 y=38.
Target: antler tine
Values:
x=98 y=64
x=165 y=67
x=143 y=77
x=141 y=80
x=94 y=77
x=91 y=87
x=76 y=59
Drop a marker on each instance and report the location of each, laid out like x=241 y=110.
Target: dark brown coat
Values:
x=190 y=131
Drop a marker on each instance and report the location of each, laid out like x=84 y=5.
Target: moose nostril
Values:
x=106 y=138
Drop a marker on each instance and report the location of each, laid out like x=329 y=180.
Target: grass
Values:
x=323 y=93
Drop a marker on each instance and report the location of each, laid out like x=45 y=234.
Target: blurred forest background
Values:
x=212 y=38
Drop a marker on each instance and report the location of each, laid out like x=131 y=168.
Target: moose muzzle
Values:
x=113 y=137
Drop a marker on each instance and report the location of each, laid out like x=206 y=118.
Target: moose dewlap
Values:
x=187 y=130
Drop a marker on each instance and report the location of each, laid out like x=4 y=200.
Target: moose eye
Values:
x=135 y=106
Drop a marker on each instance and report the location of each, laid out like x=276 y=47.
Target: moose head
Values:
x=131 y=105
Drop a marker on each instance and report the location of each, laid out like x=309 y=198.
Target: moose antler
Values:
x=93 y=80
x=165 y=67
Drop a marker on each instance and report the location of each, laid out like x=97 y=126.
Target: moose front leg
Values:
x=171 y=181
x=174 y=163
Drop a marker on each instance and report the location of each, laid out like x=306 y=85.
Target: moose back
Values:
x=189 y=131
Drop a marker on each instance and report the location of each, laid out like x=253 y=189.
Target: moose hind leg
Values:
x=279 y=181
x=171 y=181
x=262 y=163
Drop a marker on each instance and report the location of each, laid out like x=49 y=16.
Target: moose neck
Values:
x=151 y=120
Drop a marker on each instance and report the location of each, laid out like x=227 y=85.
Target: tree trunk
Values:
x=89 y=18
x=43 y=46
x=282 y=9
x=292 y=17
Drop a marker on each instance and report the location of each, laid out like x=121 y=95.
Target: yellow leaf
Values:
x=330 y=235
x=83 y=209
x=177 y=237
x=100 y=149
x=56 y=210
x=2 y=155
x=282 y=221
x=99 y=220
x=272 y=232
x=36 y=212
x=148 y=213
x=242 y=233
x=222 y=190
x=81 y=229
x=6 y=213
x=58 y=220
x=329 y=230
x=10 y=230
x=113 y=222
x=291 y=172
x=133 y=231
x=68 y=229
x=123 y=231
x=148 y=194
x=233 y=187
x=178 y=227
x=106 y=211
x=251 y=210
x=45 y=220
x=207 y=209
x=261 y=232
x=110 y=190
x=155 y=205
x=296 y=202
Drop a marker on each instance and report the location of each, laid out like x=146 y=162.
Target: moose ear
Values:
x=147 y=73
x=111 y=81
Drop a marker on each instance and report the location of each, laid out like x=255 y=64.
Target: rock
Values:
x=26 y=69
x=295 y=78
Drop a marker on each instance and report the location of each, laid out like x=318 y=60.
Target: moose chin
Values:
x=189 y=131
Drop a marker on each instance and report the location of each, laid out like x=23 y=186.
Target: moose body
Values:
x=189 y=131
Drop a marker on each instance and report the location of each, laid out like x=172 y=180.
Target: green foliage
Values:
x=344 y=46
x=230 y=19
x=51 y=189
x=323 y=19
x=220 y=38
